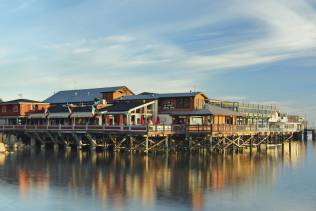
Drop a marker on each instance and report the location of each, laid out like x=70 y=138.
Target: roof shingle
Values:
x=80 y=96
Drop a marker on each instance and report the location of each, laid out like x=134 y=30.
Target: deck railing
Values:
x=163 y=128
x=131 y=128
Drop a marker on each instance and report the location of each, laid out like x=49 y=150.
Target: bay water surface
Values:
x=276 y=179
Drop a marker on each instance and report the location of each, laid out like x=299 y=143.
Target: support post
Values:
x=33 y=142
x=78 y=141
x=305 y=135
x=93 y=143
x=251 y=144
x=167 y=144
x=56 y=147
x=147 y=147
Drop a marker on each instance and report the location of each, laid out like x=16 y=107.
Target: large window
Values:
x=196 y=120
x=183 y=103
x=167 y=105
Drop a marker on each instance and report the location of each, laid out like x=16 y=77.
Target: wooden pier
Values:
x=310 y=131
x=147 y=138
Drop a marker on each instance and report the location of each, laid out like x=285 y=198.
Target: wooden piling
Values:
x=305 y=135
x=147 y=146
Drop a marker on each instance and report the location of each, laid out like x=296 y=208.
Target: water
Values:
x=272 y=180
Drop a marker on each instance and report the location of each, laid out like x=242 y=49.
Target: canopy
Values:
x=38 y=116
x=59 y=115
x=82 y=115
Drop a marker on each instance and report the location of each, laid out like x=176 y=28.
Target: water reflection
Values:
x=116 y=180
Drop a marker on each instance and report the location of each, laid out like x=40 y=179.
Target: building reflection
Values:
x=117 y=178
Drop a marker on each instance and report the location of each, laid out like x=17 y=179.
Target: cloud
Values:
x=289 y=29
x=173 y=54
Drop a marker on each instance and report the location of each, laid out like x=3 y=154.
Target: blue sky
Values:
x=261 y=51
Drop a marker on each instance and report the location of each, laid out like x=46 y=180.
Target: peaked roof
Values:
x=80 y=95
x=153 y=96
x=20 y=101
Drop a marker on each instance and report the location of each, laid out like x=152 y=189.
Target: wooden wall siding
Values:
x=111 y=96
x=221 y=119
x=167 y=104
x=9 y=110
x=180 y=104
x=199 y=101
x=21 y=109
x=27 y=108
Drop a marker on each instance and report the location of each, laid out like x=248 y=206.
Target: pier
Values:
x=114 y=118
x=310 y=131
x=146 y=138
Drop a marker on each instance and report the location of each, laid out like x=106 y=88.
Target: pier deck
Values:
x=147 y=137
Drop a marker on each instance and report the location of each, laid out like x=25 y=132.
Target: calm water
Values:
x=272 y=180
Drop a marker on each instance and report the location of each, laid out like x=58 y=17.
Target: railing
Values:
x=174 y=128
x=129 y=128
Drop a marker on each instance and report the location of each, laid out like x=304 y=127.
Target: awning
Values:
x=82 y=115
x=38 y=116
x=200 y=112
x=58 y=115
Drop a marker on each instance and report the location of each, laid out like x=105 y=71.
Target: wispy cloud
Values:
x=168 y=50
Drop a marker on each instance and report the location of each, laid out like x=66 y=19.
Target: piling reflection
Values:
x=115 y=179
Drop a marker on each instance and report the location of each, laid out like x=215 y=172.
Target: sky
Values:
x=248 y=50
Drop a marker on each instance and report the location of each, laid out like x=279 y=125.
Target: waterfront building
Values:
x=88 y=96
x=130 y=113
x=17 y=111
x=212 y=117
x=168 y=103
x=283 y=122
x=59 y=115
x=255 y=114
x=83 y=115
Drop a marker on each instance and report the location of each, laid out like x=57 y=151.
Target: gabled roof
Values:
x=153 y=96
x=18 y=101
x=80 y=95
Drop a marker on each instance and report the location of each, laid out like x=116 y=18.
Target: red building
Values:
x=17 y=111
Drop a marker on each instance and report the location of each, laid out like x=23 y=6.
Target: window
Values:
x=229 y=120
x=4 y=109
x=183 y=103
x=196 y=120
x=15 y=108
x=167 y=105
